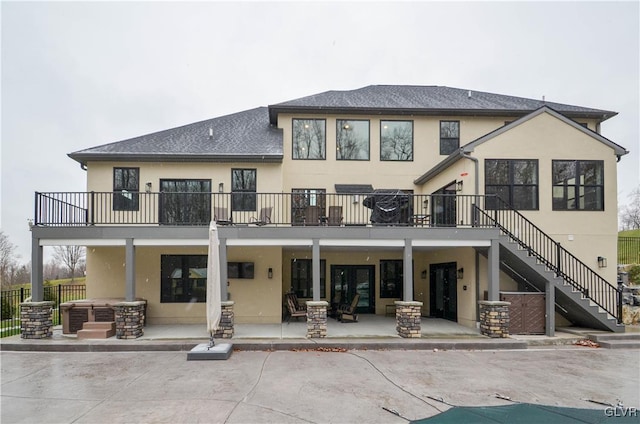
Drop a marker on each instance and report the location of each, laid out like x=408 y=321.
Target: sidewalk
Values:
x=371 y=332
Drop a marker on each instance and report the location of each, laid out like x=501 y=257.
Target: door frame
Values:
x=448 y=313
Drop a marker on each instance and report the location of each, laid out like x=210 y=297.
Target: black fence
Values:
x=628 y=250
x=11 y=299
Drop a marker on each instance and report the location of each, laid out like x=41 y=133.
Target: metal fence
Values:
x=11 y=299
x=628 y=250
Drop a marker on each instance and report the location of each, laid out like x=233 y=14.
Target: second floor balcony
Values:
x=308 y=208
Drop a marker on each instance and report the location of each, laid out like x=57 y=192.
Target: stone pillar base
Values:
x=494 y=318
x=36 y=320
x=317 y=319
x=225 y=328
x=408 y=319
x=129 y=319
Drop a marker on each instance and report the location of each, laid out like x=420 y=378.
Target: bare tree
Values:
x=7 y=260
x=70 y=256
x=630 y=214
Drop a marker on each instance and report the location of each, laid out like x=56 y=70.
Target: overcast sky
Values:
x=76 y=75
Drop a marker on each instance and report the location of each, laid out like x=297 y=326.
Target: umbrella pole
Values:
x=211 y=342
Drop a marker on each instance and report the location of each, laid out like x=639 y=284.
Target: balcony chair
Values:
x=335 y=216
x=264 y=218
x=221 y=216
x=348 y=313
x=295 y=309
x=312 y=216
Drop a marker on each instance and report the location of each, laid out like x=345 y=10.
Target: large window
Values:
x=243 y=188
x=391 y=278
x=302 y=277
x=309 y=141
x=185 y=202
x=396 y=140
x=352 y=140
x=578 y=185
x=184 y=278
x=126 y=185
x=449 y=137
x=514 y=180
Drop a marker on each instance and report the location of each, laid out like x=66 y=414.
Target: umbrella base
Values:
x=203 y=352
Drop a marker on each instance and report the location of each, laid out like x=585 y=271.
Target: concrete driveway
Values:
x=304 y=386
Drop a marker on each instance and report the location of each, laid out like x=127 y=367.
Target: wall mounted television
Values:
x=240 y=270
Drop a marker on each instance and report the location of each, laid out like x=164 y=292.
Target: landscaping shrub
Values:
x=634 y=274
x=7 y=309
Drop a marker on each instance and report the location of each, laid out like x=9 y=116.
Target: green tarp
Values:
x=524 y=413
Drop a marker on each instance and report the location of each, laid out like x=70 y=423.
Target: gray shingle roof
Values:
x=425 y=100
x=245 y=135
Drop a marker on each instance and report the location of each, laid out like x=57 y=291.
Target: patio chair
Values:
x=335 y=216
x=221 y=216
x=348 y=313
x=264 y=218
x=312 y=216
x=295 y=309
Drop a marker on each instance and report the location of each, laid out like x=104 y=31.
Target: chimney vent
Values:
x=469 y=93
x=210 y=133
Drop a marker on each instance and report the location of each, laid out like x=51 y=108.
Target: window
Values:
x=352 y=140
x=309 y=140
x=396 y=140
x=514 y=180
x=302 y=277
x=449 y=137
x=126 y=185
x=185 y=202
x=304 y=198
x=243 y=188
x=184 y=278
x=578 y=185
x=391 y=278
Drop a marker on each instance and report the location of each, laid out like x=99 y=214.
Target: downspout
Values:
x=476 y=166
x=476 y=170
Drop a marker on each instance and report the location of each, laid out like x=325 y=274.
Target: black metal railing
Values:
x=296 y=209
x=555 y=257
x=11 y=300
x=628 y=250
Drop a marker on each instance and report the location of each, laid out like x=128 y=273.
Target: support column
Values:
x=493 y=269
x=408 y=319
x=315 y=271
x=224 y=278
x=550 y=307
x=36 y=320
x=130 y=271
x=130 y=319
x=37 y=285
x=317 y=319
x=407 y=283
x=225 y=328
x=494 y=318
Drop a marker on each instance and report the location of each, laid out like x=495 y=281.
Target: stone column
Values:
x=408 y=319
x=36 y=321
x=129 y=319
x=225 y=329
x=494 y=318
x=317 y=319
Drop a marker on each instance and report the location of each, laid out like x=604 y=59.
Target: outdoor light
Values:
x=147 y=187
x=460 y=273
x=425 y=203
x=270 y=273
x=356 y=199
x=602 y=262
x=423 y=274
x=221 y=188
x=459 y=186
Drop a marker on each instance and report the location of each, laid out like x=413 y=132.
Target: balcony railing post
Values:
x=92 y=208
x=558 y=258
x=619 y=296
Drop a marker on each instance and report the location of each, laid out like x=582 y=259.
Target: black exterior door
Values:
x=347 y=280
x=443 y=206
x=444 y=291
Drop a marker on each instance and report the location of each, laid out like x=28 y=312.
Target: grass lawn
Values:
x=629 y=233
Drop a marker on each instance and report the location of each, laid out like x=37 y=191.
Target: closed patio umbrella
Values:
x=214 y=310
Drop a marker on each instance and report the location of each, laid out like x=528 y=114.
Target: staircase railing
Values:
x=551 y=254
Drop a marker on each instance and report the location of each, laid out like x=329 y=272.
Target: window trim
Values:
x=449 y=138
x=118 y=193
x=164 y=194
x=511 y=185
x=368 y=158
x=412 y=140
x=309 y=277
x=400 y=278
x=577 y=187
x=245 y=193
x=184 y=263
x=293 y=138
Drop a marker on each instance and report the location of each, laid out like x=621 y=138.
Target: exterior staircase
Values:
x=97 y=330
x=532 y=258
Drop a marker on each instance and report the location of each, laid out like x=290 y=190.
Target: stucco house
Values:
x=439 y=196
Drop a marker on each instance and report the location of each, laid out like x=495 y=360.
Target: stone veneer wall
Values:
x=317 y=319
x=408 y=319
x=494 y=318
x=129 y=319
x=225 y=328
x=36 y=320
